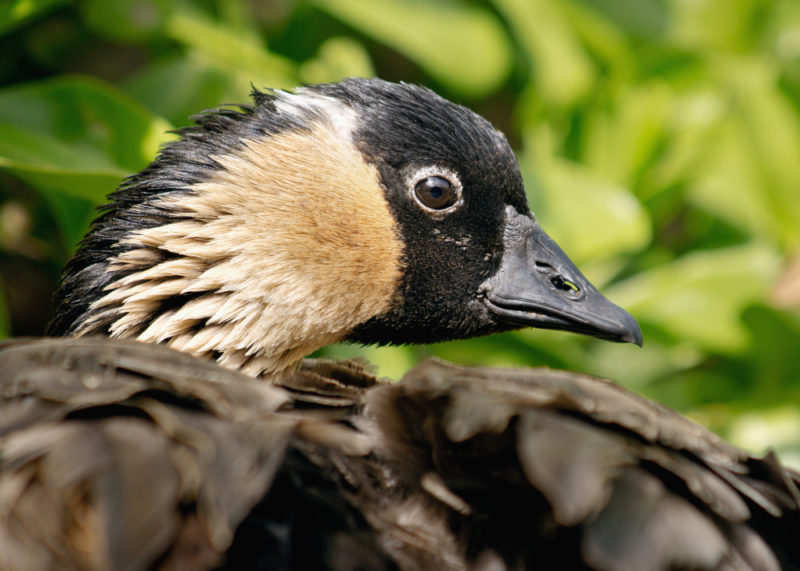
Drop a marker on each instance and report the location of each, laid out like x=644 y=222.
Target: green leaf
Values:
x=502 y=349
x=236 y=51
x=771 y=129
x=593 y=219
x=726 y=24
x=773 y=361
x=776 y=428
x=638 y=368
x=460 y=45
x=700 y=297
x=619 y=144
x=691 y=134
x=76 y=135
x=606 y=43
x=72 y=213
x=74 y=139
x=14 y=13
x=390 y=362
x=727 y=182
x=125 y=20
x=337 y=58
x=194 y=85
x=640 y=18
x=563 y=72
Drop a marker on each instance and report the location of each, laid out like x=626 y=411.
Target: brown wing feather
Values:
x=122 y=455
x=555 y=464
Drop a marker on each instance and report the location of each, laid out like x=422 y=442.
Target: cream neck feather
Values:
x=287 y=247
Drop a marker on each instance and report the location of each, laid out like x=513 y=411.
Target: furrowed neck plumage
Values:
x=363 y=211
x=247 y=241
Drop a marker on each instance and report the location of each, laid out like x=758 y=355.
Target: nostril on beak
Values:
x=559 y=281
x=569 y=287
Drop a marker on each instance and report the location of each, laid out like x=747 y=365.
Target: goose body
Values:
x=371 y=212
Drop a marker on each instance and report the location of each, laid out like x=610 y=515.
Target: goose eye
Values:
x=435 y=192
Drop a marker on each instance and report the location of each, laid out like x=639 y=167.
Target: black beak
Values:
x=537 y=285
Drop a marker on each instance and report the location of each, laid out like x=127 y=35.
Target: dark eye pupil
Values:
x=435 y=192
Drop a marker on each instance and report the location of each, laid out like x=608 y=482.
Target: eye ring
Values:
x=436 y=190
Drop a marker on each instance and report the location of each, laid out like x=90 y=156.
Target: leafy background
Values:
x=659 y=139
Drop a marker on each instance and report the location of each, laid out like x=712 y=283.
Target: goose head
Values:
x=362 y=210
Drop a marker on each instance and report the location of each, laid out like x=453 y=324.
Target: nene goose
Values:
x=178 y=426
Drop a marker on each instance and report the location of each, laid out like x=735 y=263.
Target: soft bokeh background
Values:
x=659 y=139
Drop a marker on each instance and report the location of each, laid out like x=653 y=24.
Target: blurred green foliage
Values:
x=659 y=139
